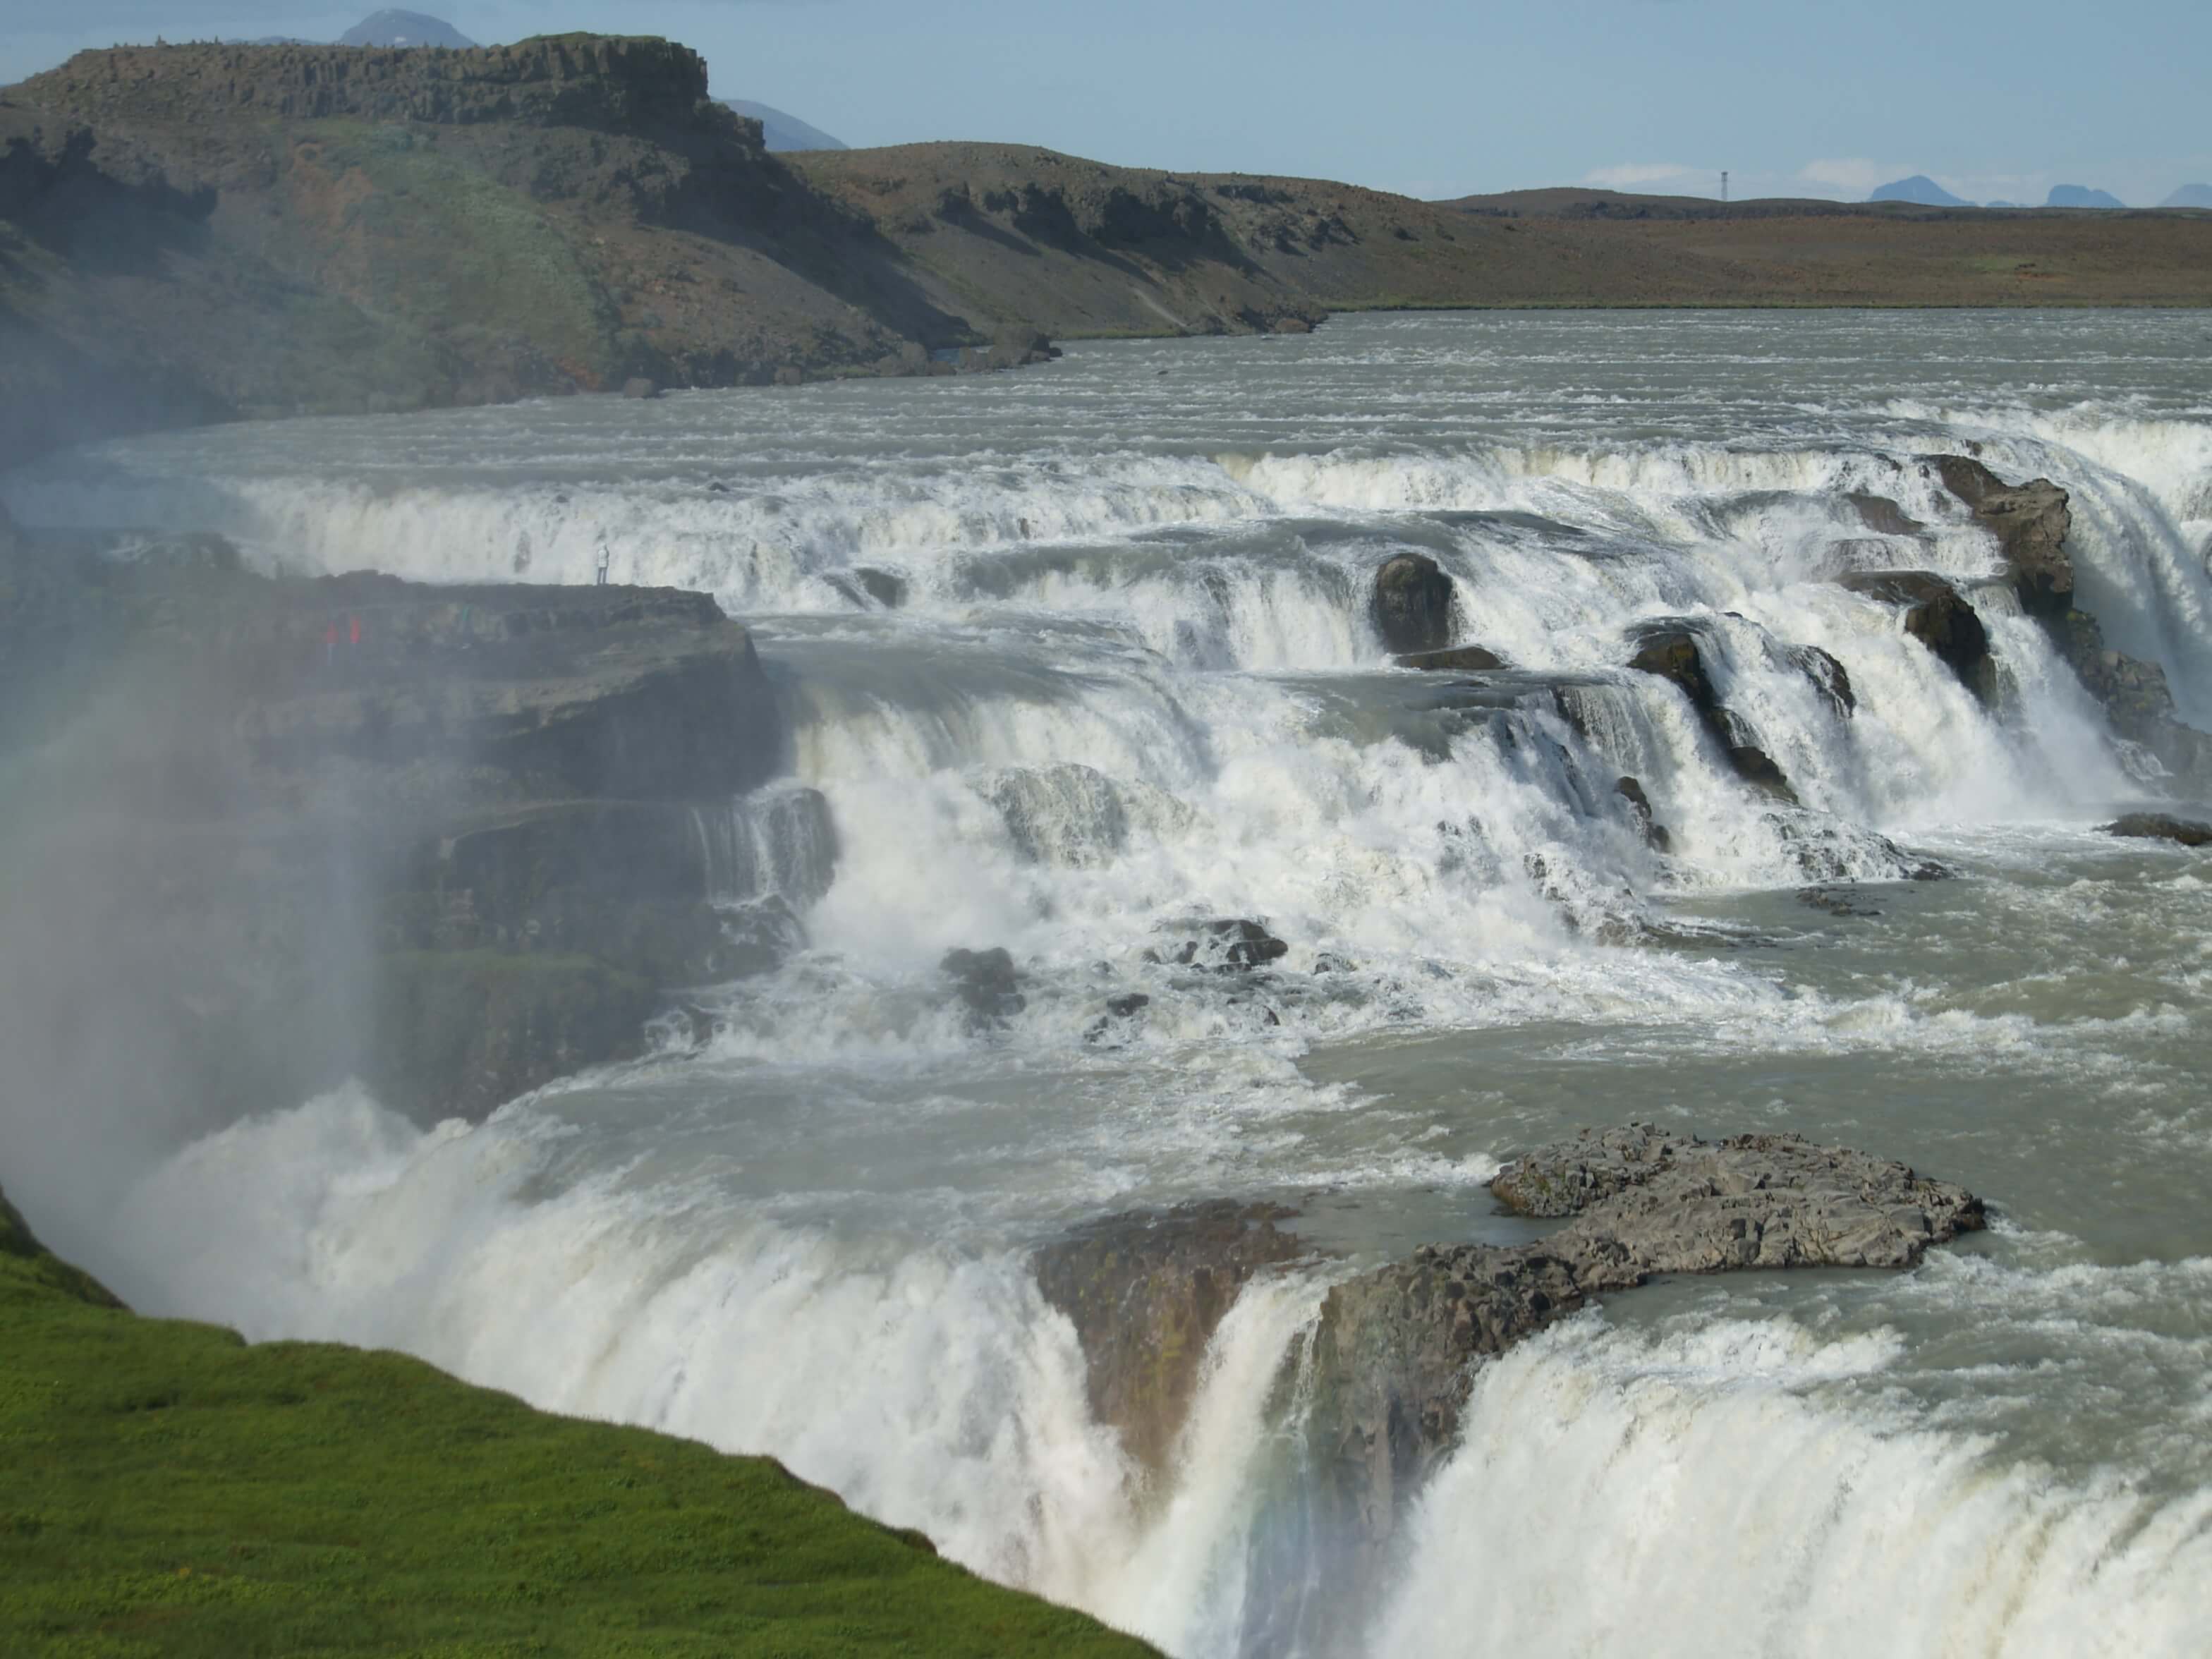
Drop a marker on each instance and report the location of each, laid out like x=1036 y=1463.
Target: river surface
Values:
x=1133 y=682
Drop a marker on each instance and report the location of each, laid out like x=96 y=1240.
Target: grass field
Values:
x=166 y=1488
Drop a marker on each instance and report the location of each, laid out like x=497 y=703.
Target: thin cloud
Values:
x=1629 y=174
x=1855 y=175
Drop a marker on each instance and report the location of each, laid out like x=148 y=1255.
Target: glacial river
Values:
x=1133 y=680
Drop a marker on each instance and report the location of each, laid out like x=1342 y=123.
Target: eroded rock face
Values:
x=2031 y=522
x=1938 y=615
x=1145 y=1292
x=1672 y=654
x=506 y=692
x=2160 y=826
x=1413 y=604
x=2135 y=693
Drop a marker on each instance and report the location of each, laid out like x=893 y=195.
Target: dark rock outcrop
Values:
x=1751 y=763
x=1673 y=652
x=2135 y=693
x=1145 y=1292
x=1837 y=900
x=1466 y=659
x=2031 y=522
x=1938 y=615
x=1224 y=944
x=1884 y=516
x=2160 y=826
x=1391 y=1357
x=1639 y=808
x=2136 y=699
x=987 y=984
x=1411 y=604
x=1830 y=678
x=887 y=588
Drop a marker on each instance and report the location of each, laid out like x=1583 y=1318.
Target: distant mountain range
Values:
x=785 y=132
x=1926 y=193
x=2190 y=196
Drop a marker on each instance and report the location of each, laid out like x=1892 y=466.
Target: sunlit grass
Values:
x=166 y=1488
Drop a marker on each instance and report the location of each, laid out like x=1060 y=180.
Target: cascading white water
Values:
x=1131 y=687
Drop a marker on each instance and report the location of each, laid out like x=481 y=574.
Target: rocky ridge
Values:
x=610 y=82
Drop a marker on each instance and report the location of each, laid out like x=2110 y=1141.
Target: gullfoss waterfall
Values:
x=1082 y=665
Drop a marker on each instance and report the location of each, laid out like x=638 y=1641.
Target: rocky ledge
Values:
x=1391 y=1357
x=1394 y=1348
x=2161 y=826
x=457 y=840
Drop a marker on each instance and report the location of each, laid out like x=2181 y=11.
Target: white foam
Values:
x=1706 y=1495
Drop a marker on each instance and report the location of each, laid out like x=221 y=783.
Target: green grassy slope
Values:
x=166 y=1488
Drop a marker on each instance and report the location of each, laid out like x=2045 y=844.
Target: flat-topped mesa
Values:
x=612 y=83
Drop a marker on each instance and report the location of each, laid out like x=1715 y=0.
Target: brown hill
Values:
x=1078 y=247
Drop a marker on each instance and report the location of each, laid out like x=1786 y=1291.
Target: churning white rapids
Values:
x=1134 y=680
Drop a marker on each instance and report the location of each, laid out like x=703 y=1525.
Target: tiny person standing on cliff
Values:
x=604 y=558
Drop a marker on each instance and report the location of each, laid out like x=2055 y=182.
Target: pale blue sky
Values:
x=1992 y=98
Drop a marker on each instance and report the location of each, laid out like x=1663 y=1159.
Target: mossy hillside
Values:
x=418 y=234
x=166 y=1488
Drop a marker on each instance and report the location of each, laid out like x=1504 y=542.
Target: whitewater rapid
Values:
x=1076 y=657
